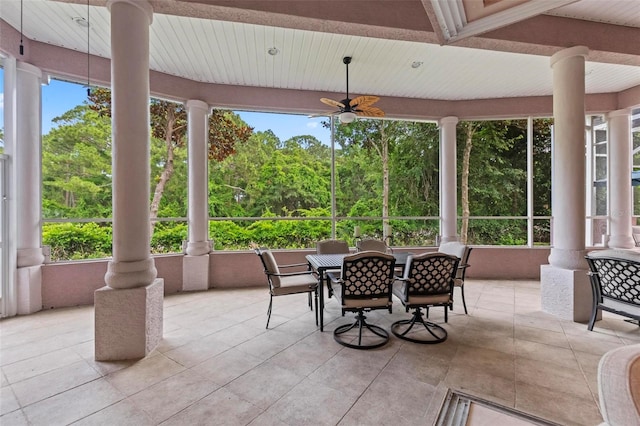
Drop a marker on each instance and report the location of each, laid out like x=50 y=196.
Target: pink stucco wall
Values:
x=73 y=283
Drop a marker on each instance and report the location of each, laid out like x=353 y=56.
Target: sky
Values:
x=59 y=97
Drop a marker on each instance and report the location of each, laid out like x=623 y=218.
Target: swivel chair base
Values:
x=435 y=333
x=362 y=325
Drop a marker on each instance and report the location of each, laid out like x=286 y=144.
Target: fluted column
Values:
x=448 y=179
x=620 y=178
x=129 y=310
x=565 y=290
x=28 y=172
x=195 y=265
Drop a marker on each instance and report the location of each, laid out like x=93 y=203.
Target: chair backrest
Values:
x=370 y=244
x=459 y=250
x=332 y=247
x=367 y=275
x=430 y=274
x=270 y=266
x=616 y=274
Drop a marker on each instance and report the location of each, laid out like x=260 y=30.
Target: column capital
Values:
x=31 y=69
x=197 y=104
x=569 y=53
x=448 y=120
x=619 y=113
x=143 y=5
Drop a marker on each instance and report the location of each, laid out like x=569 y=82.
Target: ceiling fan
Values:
x=348 y=109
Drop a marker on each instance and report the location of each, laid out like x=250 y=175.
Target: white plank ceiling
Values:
x=235 y=53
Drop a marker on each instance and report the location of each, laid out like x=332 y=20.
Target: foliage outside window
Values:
x=387 y=179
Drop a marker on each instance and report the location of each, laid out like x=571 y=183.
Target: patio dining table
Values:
x=321 y=263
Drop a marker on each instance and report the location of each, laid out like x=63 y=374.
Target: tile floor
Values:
x=218 y=365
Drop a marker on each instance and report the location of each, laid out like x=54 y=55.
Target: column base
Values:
x=195 y=273
x=29 y=289
x=621 y=242
x=566 y=293
x=128 y=322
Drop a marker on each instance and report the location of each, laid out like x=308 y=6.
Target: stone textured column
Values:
x=565 y=288
x=128 y=312
x=448 y=180
x=27 y=166
x=195 y=264
x=620 y=179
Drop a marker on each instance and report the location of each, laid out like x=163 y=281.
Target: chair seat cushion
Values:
x=434 y=299
x=365 y=303
x=296 y=284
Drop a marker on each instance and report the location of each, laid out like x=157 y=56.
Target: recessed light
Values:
x=80 y=21
x=416 y=64
x=273 y=51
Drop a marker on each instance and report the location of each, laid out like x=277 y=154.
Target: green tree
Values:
x=169 y=124
x=76 y=165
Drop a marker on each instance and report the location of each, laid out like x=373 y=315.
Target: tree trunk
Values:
x=386 y=234
x=464 y=183
x=167 y=172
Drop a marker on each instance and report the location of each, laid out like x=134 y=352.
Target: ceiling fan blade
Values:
x=332 y=103
x=363 y=101
x=369 y=112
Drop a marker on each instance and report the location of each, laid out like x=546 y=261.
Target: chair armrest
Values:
x=334 y=277
x=463 y=265
x=291 y=274
x=293 y=265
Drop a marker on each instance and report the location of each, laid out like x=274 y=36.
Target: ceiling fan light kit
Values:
x=347 y=117
x=349 y=109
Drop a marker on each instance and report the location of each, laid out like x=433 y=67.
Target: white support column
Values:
x=128 y=311
x=448 y=176
x=195 y=264
x=565 y=288
x=28 y=174
x=620 y=178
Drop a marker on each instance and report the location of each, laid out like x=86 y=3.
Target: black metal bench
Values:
x=615 y=281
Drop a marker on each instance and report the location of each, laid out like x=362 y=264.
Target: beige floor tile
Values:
x=556 y=406
x=173 y=395
x=143 y=374
x=489 y=339
x=365 y=413
x=227 y=366
x=122 y=413
x=267 y=419
x=425 y=368
x=197 y=351
x=534 y=320
x=592 y=344
x=547 y=337
x=54 y=382
x=23 y=370
x=222 y=407
x=264 y=385
x=486 y=361
x=73 y=404
x=307 y=355
x=266 y=345
x=238 y=334
x=406 y=395
x=557 y=378
x=307 y=402
x=547 y=353
x=14 y=418
x=483 y=384
x=293 y=375
x=8 y=401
